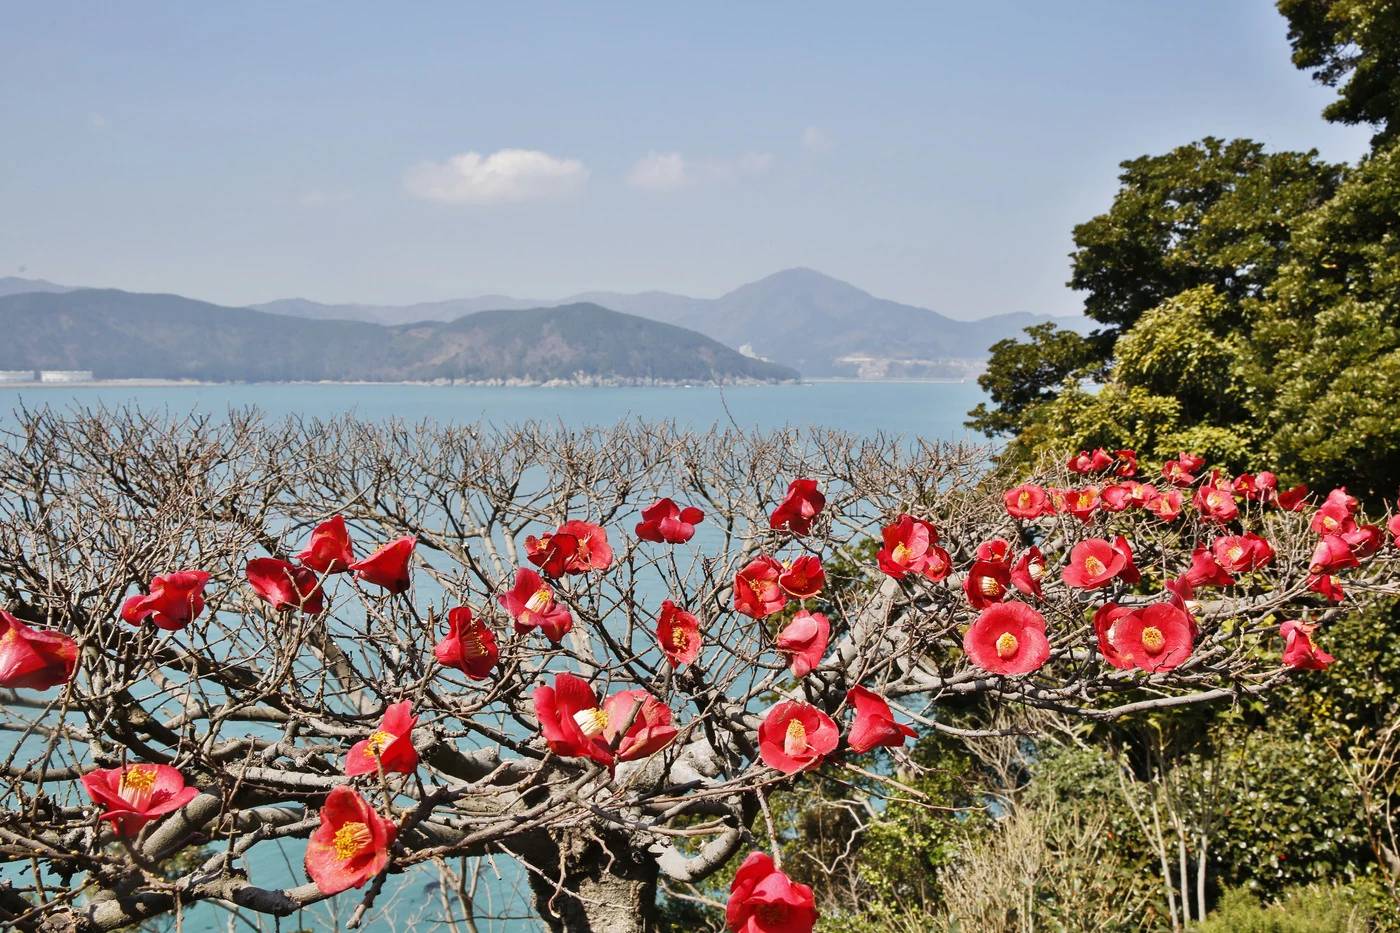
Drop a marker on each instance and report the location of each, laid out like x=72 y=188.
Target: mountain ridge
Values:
x=123 y=335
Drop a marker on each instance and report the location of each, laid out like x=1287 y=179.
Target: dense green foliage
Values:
x=1353 y=45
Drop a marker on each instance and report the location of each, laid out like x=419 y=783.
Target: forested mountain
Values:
x=119 y=334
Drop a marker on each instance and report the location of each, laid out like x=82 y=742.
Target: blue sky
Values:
x=935 y=153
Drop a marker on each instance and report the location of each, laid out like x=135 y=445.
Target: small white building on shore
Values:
x=16 y=375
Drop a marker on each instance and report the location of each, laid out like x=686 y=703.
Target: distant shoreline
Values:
x=478 y=384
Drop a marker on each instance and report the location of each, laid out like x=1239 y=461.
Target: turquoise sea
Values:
x=928 y=409
x=913 y=409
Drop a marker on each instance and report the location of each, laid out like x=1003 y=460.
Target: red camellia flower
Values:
x=1082 y=503
x=796 y=736
x=572 y=720
x=1093 y=563
x=1182 y=470
x=1242 y=553
x=1364 y=540
x=1085 y=462
x=134 y=795
x=531 y=604
x=678 y=633
x=1216 y=503
x=1298 y=648
x=552 y=553
x=1206 y=571
x=175 y=600
x=803 y=641
x=987 y=583
x=804 y=577
x=1008 y=638
x=388 y=566
x=1129 y=574
x=907 y=544
x=329 y=550
x=666 y=521
x=874 y=725
x=350 y=846
x=469 y=646
x=1256 y=487
x=390 y=746
x=799 y=507
x=1115 y=498
x=1126 y=463
x=1328 y=584
x=1332 y=553
x=286 y=586
x=1139 y=494
x=763 y=900
x=1155 y=638
x=34 y=659
x=996 y=549
x=1105 y=617
x=593 y=551
x=1166 y=505
x=1026 y=501
x=1180 y=594
x=1028 y=571
x=1393 y=526
x=757 y=593
x=646 y=719
x=1292 y=500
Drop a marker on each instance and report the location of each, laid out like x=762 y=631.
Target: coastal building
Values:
x=16 y=375
x=65 y=375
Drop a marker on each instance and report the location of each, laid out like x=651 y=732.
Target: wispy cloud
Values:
x=816 y=139
x=504 y=175
x=667 y=171
x=659 y=171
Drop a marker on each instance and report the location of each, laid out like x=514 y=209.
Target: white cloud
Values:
x=504 y=175
x=659 y=171
x=667 y=171
x=815 y=139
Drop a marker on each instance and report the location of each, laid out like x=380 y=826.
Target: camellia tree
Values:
x=587 y=652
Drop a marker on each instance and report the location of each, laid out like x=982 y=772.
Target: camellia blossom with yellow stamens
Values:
x=1154 y=638
x=350 y=846
x=763 y=899
x=795 y=736
x=532 y=605
x=803 y=577
x=757 y=593
x=1093 y=563
x=1008 y=638
x=678 y=634
x=390 y=747
x=1026 y=502
x=469 y=646
x=135 y=795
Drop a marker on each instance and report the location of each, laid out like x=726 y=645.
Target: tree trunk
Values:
x=595 y=882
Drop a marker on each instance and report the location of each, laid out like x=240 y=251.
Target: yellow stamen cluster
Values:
x=1153 y=639
x=139 y=778
x=989 y=586
x=1093 y=566
x=679 y=637
x=540 y=600
x=591 y=721
x=350 y=840
x=900 y=553
x=795 y=741
x=1006 y=645
x=376 y=743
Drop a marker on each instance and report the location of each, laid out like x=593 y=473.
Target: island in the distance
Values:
x=123 y=335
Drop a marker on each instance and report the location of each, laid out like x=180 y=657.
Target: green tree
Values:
x=1354 y=46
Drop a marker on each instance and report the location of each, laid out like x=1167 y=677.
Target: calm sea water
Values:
x=912 y=409
x=928 y=409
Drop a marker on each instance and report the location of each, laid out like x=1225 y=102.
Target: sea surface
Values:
x=930 y=410
x=916 y=409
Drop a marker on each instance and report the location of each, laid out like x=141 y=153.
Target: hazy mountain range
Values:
x=798 y=318
x=118 y=334
x=801 y=318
